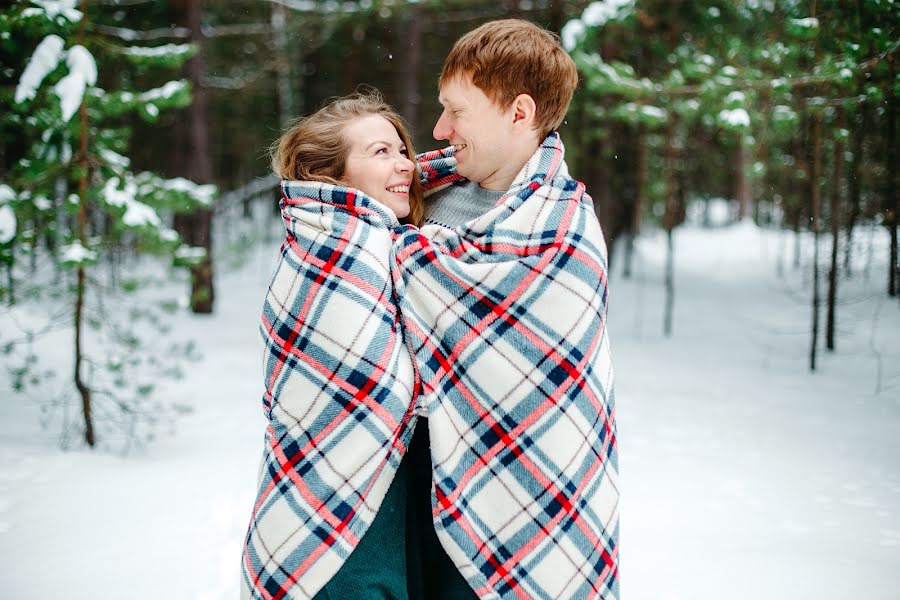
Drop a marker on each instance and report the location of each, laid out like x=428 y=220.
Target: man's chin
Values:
x=463 y=170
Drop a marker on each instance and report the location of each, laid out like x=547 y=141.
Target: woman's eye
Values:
x=381 y=151
x=405 y=152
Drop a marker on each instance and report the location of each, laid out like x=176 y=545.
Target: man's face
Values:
x=480 y=131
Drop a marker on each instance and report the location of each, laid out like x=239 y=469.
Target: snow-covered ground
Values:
x=744 y=476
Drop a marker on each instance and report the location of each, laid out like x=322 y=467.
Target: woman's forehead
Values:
x=367 y=130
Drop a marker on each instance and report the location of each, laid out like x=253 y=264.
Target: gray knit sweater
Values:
x=459 y=203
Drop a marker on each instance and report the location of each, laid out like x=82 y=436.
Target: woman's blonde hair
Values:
x=314 y=148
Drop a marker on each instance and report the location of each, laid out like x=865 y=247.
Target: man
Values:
x=505 y=88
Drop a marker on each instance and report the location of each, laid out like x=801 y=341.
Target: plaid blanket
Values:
x=495 y=331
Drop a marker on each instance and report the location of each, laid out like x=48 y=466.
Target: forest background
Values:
x=742 y=158
x=129 y=128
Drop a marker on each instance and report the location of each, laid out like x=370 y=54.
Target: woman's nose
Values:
x=404 y=165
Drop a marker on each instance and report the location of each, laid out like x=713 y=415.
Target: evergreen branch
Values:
x=238 y=29
x=130 y=35
x=232 y=83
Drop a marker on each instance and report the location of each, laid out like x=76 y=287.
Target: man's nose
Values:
x=442 y=129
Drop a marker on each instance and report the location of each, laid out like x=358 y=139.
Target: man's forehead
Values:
x=455 y=90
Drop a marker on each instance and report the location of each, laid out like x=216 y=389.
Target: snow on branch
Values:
x=76 y=254
x=164 y=92
x=166 y=50
x=596 y=14
x=52 y=9
x=131 y=35
x=137 y=214
x=232 y=83
x=332 y=6
x=44 y=60
x=7 y=214
x=71 y=88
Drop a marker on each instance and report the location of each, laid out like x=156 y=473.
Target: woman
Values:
x=348 y=181
x=357 y=141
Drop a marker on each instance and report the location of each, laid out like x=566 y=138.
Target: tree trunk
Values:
x=837 y=176
x=673 y=216
x=890 y=192
x=670 y=284
x=742 y=190
x=83 y=390
x=814 y=226
x=640 y=199
x=556 y=16
x=196 y=227
x=853 y=182
x=353 y=61
x=802 y=192
x=283 y=63
x=412 y=66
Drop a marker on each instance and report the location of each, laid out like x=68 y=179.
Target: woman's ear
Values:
x=524 y=111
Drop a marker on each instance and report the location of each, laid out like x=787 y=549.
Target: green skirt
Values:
x=400 y=556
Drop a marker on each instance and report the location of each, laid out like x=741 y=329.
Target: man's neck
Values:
x=501 y=179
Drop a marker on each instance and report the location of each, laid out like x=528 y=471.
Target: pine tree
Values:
x=74 y=182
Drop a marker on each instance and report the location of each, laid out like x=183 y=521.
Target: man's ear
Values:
x=524 y=111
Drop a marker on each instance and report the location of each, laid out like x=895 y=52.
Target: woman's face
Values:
x=378 y=163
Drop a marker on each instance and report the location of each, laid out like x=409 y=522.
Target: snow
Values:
x=654 y=111
x=598 y=13
x=76 y=253
x=51 y=9
x=157 y=51
x=168 y=90
x=735 y=97
x=114 y=158
x=810 y=22
x=116 y=197
x=190 y=252
x=71 y=88
x=44 y=60
x=743 y=475
x=783 y=113
x=737 y=117
x=7 y=224
x=7 y=194
x=137 y=214
x=203 y=193
x=572 y=33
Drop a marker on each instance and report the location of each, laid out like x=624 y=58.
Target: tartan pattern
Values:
x=505 y=319
x=339 y=388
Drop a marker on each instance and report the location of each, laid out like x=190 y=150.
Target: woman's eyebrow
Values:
x=385 y=143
